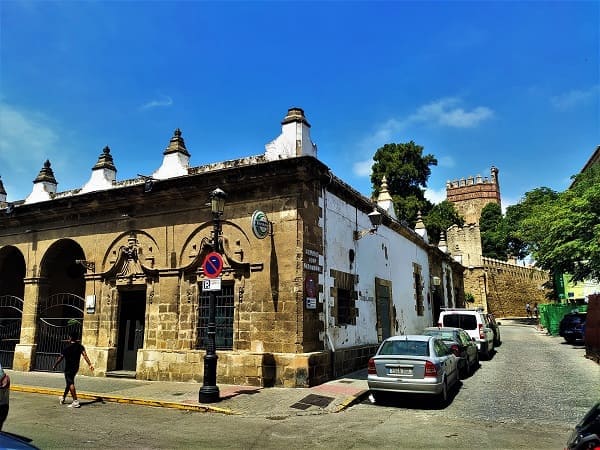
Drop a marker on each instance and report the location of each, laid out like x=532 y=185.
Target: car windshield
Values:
x=464 y=321
x=444 y=335
x=410 y=348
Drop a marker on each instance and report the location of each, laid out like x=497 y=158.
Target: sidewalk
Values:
x=330 y=397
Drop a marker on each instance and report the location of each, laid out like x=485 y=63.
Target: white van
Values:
x=474 y=322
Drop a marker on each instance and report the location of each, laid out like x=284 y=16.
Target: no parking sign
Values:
x=212 y=265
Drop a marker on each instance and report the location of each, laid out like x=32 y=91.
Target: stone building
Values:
x=500 y=287
x=308 y=289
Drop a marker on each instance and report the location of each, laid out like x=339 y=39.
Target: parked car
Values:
x=15 y=442
x=586 y=434
x=495 y=326
x=461 y=345
x=475 y=323
x=413 y=364
x=572 y=327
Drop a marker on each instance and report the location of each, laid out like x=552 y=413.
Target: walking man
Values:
x=72 y=354
x=4 y=396
x=528 y=310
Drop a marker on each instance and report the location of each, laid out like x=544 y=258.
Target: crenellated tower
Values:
x=470 y=195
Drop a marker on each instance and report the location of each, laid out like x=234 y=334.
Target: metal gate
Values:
x=58 y=316
x=11 y=311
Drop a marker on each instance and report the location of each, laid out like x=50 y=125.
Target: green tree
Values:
x=441 y=217
x=493 y=232
x=516 y=241
x=407 y=171
x=564 y=233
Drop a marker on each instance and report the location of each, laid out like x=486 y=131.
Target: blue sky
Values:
x=510 y=84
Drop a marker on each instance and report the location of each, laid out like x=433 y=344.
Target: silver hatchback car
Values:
x=413 y=364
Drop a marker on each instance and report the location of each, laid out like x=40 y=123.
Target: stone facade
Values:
x=125 y=261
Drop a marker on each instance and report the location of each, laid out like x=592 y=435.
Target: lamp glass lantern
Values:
x=375 y=218
x=217 y=201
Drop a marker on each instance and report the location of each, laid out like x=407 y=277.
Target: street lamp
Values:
x=209 y=392
x=375 y=218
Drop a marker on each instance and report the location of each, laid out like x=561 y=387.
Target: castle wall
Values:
x=504 y=288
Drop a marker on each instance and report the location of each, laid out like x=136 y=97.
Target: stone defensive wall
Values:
x=510 y=286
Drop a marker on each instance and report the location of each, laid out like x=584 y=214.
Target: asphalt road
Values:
x=529 y=395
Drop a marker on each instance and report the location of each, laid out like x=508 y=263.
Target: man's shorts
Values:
x=70 y=377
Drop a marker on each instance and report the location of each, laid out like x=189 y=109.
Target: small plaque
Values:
x=211 y=284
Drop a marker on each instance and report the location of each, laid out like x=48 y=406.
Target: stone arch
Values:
x=12 y=271
x=61 y=270
x=236 y=240
x=12 y=290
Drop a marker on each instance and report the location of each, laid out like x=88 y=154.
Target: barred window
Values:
x=420 y=307
x=223 y=318
x=343 y=306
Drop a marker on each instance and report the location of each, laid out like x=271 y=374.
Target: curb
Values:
x=126 y=400
x=351 y=401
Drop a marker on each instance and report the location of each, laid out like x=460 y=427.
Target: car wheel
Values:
x=443 y=398
x=486 y=354
x=465 y=370
x=377 y=396
x=475 y=363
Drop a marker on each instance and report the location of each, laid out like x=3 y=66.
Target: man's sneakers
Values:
x=75 y=403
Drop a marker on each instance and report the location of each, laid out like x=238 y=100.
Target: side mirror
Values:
x=499 y=323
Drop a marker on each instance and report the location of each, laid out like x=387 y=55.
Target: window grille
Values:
x=343 y=306
x=420 y=307
x=223 y=318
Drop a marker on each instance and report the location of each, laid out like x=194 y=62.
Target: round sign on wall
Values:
x=260 y=224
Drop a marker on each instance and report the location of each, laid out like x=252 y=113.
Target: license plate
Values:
x=400 y=371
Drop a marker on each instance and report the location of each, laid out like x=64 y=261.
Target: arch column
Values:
x=25 y=349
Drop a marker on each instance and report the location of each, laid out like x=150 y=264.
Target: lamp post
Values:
x=375 y=219
x=209 y=392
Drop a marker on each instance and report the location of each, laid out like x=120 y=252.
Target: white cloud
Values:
x=444 y=112
x=26 y=138
x=435 y=196
x=363 y=168
x=575 y=97
x=164 y=101
x=508 y=201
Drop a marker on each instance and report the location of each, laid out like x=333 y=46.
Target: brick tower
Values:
x=470 y=195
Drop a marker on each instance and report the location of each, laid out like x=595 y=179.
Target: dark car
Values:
x=495 y=326
x=572 y=327
x=15 y=442
x=461 y=345
x=586 y=434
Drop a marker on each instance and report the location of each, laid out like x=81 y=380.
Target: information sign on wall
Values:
x=260 y=224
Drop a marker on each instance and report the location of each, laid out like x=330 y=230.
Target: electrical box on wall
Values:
x=90 y=304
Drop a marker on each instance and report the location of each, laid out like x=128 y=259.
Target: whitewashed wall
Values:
x=385 y=255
